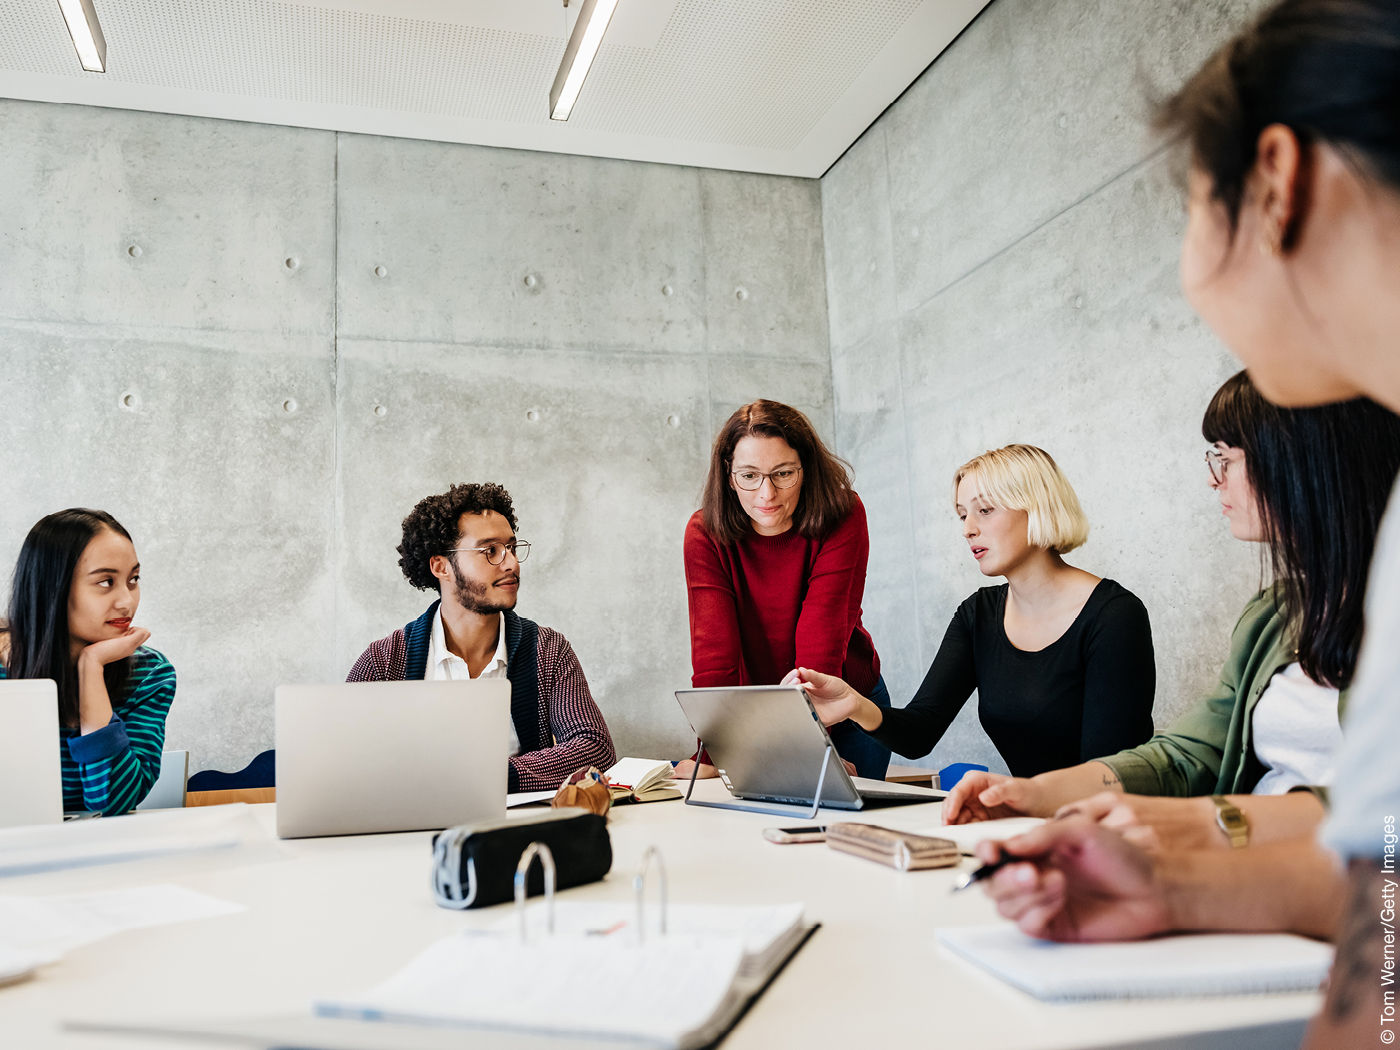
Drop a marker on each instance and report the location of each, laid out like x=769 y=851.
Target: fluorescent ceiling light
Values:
x=87 y=35
x=583 y=46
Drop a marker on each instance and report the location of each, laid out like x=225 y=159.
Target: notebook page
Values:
x=634 y=773
x=756 y=926
x=1162 y=967
x=660 y=991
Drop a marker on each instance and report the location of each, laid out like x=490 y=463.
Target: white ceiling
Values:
x=776 y=86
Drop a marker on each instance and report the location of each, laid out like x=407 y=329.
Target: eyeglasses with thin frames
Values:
x=495 y=553
x=752 y=480
x=1218 y=464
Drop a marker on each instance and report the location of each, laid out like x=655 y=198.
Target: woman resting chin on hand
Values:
x=77 y=586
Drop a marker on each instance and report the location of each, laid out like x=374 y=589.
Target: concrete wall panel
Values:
x=507 y=248
x=264 y=489
x=765 y=293
x=1028 y=289
x=227 y=495
x=119 y=217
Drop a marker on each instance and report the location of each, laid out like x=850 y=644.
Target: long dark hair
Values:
x=1321 y=477
x=38 y=619
x=1327 y=69
x=826 y=496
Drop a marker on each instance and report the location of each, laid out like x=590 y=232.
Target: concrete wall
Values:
x=1001 y=253
x=193 y=336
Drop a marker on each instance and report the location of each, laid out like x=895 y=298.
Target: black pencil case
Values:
x=474 y=864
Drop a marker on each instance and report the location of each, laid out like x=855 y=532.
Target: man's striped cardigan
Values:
x=564 y=733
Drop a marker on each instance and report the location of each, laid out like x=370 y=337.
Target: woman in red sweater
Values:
x=775 y=569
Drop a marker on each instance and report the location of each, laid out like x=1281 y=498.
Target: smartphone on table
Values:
x=785 y=836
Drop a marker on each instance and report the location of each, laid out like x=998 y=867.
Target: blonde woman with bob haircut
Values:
x=1061 y=659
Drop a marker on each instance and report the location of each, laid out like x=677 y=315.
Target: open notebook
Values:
x=642 y=780
x=1158 y=968
x=592 y=978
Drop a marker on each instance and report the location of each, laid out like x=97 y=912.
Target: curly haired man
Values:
x=462 y=544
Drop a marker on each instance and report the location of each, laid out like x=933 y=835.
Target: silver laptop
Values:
x=769 y=746
x=31 y=776
x=366 y=757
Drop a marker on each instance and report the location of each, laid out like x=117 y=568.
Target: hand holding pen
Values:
x=1072 y=879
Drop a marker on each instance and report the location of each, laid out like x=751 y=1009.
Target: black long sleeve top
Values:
x=1086 y=694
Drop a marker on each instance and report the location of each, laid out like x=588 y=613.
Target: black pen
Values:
x=968 y=878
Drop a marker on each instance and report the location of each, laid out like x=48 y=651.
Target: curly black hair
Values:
x=431 y=527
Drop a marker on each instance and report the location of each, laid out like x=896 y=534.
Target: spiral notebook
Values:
x=1157 y=968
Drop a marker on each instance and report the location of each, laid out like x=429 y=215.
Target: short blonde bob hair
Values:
x=1023 y=477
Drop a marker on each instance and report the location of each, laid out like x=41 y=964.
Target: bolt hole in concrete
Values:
x=380 y=411
x=533 y=415
x=289 y=405
x=292 y=262
x=130 y=401
x=531 y=280
x=673 y=421
x=666 y=289
x=134 y=251
x=380 y=271
x=741 y=294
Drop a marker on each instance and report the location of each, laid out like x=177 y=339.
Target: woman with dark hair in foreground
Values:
x=775 y=569
x=77 y=586
x=1311 y=484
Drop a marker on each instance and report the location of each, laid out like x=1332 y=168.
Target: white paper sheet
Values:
x=524 y=798
x=55 y=924
x=136 y=836
x=1162 y=967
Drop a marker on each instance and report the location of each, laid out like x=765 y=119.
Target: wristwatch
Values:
x=1231 y=821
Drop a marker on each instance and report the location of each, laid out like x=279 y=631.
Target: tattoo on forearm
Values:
x=1358 y=962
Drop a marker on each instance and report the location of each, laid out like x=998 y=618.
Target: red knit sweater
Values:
x=771 y=603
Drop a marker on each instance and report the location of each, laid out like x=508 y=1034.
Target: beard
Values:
x=476 y=597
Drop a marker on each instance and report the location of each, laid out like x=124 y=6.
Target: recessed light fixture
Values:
x=584 y=41
x=86 y=32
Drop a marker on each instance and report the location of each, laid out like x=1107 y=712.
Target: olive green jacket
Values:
x=1209 y=750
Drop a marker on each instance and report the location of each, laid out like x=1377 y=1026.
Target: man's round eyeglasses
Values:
x=752 y=480
x=1219 y=465
x=495 y=553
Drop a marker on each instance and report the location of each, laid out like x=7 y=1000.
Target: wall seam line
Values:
x=1089 y=195
x=338 y=488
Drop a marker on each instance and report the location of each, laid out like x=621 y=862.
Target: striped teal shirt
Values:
x=113 y=769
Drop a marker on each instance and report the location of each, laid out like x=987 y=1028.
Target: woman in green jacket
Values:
x=1312 y=484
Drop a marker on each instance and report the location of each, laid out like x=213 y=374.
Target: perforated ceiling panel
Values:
x=753 y=76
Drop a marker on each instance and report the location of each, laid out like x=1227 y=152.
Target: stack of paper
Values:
x=592 y=978
x=642 y=780
x=1161 y=967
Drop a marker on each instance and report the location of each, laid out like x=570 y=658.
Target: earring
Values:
x=1271 y=241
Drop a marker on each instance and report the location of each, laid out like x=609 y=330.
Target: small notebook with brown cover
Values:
x=898 y=849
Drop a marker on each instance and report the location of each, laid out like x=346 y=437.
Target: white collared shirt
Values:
x=446 y=666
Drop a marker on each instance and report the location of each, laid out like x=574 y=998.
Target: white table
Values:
x=341 y=914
